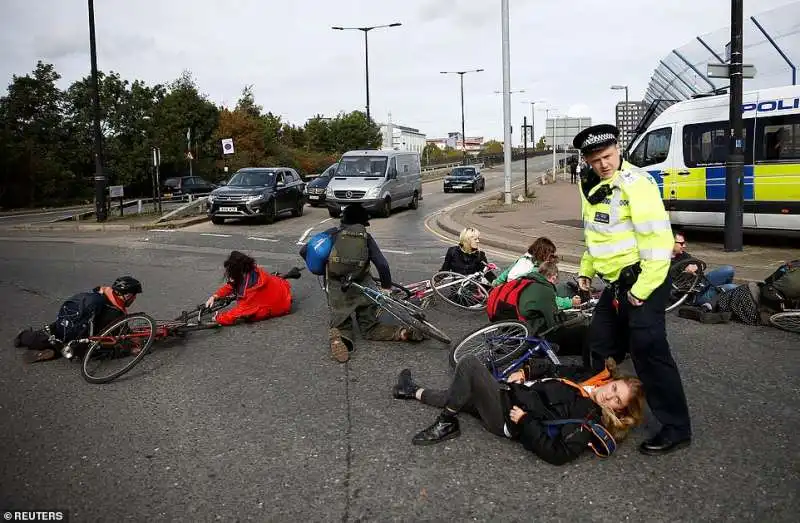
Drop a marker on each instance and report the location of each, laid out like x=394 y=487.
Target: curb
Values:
x=103 y=227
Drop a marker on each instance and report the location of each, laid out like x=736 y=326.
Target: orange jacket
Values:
x=268 y=298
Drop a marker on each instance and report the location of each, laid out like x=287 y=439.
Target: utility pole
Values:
x=735 y=164
x=525 y=150
x=506 y=103
x=463 y=128
x=101 y=212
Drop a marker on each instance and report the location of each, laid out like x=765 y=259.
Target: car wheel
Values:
x=474 y=187
x=271 y=211
x=386 y=210
x=298 y=208
x=414 y=201
x=334 y=213
x=217 y=221
x=446 y=190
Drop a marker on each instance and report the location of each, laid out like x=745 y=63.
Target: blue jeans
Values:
x=719 y=279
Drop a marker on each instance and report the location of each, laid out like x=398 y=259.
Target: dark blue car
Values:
x=315 y=194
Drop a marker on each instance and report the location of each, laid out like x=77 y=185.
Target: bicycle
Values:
x=403 y=311
x=127 y=340
x=686 y=285
x=469 y=292
x=788 y=319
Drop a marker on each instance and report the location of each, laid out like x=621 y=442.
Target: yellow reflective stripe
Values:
x=652 y=226
x=607 y=249
x=655 y=254
x=605 y=228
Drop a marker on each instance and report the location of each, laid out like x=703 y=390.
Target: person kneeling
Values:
x=548 y=412
x=259 y=294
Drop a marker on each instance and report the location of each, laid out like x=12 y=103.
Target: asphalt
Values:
x=257 y=423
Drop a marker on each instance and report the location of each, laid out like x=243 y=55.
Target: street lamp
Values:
x=533 y=118
x=366 y=30
x=463 y=129
x=99 y=178
x=624 y=128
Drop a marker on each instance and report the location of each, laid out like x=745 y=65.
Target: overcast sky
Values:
x=567 y=53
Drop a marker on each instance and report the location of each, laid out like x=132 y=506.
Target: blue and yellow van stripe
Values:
x=762 y=183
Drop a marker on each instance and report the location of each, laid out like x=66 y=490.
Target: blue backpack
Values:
x=318 y=249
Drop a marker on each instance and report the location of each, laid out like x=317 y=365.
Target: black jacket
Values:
x=456 y=260
x=551 y=399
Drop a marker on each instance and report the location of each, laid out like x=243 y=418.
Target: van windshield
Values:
x=361 y=166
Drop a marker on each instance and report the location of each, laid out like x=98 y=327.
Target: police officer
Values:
x=629 y=244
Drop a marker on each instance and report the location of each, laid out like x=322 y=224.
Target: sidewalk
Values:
x=134 y=223
x=555 y=213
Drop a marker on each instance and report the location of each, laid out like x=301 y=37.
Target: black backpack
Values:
x=785 y=280
x=75 y=316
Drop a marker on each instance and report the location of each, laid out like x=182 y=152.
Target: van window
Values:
x=708 y=143
x=653 y=148
x=355 y=166
x=778 y=138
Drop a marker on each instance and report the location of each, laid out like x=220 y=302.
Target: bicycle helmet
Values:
x=126 y=285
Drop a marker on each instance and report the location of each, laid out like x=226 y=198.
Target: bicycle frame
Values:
x=378 y=298
x=535 y=347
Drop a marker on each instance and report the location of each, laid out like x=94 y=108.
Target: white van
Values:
x=686 y=146
x=378 y=180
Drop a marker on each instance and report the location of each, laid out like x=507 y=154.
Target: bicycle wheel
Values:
x=497 y=340
x=415 y=319
x=683 y=285
x=122 y=345
x=788 y=321
x=459 y=290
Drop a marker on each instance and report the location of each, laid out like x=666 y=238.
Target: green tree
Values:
x=318 y=135
x=541 y=144
x=492 y=147
x=351 y=131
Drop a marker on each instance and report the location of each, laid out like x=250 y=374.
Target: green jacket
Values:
x=525 y=262
x=537 y=303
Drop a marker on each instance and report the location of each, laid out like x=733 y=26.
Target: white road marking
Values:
x=163 y=230
x=303 y=237
x=326 y=220
x=215 y=235
x=396 y=252
x=262 y=239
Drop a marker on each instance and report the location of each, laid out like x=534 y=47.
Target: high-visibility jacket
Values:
x=627 y=227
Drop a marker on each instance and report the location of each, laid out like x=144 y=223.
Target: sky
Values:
x=566 y=53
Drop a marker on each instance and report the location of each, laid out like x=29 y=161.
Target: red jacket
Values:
x=268 y=298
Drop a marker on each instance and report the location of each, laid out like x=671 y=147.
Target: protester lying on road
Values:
x=532 y=298
x=354 y=249
x=716 y=280
x=95 y=309
x=521 y=408
x=541 y=250
x=259 y=294
x=466 y=258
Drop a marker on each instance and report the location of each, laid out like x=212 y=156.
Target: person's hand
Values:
x=210 y=302
x=584 y=283
x=517 y=414
x=576 y=301
x=386 y=292
x=518 y=376
x=633 y=300
x=691 y=268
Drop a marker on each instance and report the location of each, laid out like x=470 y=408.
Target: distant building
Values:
x=628 y=117
x=562 y=131
x=402 y=138
x=474 y=144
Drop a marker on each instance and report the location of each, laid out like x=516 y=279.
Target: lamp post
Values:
x=463 y=129
x=533 y=119
x=366 y=30
x=624 y=125
x=99 y=177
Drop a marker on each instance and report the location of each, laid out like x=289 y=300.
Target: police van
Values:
x=686 y=146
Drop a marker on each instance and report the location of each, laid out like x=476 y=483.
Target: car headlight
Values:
x=373 y=193
x=210 y=198
x=329 y=192
x=255 y=198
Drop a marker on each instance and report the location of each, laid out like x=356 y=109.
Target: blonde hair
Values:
x=620 y=423
x=466 y=237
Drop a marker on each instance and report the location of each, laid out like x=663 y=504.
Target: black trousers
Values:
x=641 y=331
x=473 y=390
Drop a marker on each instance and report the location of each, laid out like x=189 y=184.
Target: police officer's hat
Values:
x=595 y=138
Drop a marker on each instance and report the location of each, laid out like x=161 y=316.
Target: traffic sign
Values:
x=189 y=155
x=116 y=191
x=723 y=71
x=227 y=146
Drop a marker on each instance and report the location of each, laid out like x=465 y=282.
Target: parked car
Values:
x=182 y=185
x=259 y=193
x=315 y=189
x=464 y=178
x=378 y=180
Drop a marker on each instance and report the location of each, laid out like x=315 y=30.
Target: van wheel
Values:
x=334 y=213
x=217 y=221
x=386 y=210
x=414 y=201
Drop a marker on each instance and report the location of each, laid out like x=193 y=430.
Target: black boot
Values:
x=405 y=389
x=445 y=427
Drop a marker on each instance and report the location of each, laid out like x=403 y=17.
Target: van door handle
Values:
x=662 y=173
x=684 y=173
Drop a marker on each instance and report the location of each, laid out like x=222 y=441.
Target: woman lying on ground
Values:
x=520 y=408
